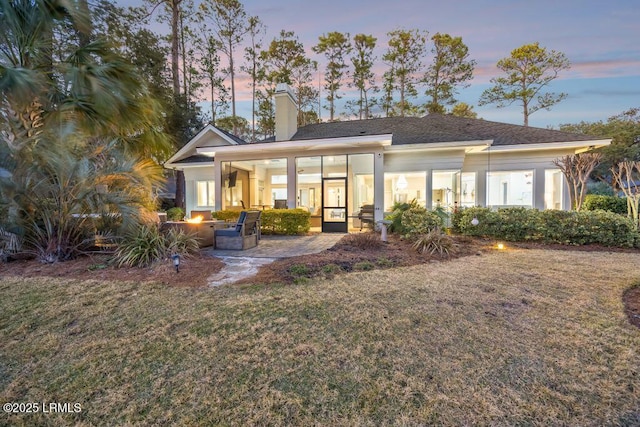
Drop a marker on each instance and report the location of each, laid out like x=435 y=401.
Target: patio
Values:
x=275 y=247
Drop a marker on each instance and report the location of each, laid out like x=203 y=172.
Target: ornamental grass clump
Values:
x=435 y=241
x=146 y=245
x=364 y=241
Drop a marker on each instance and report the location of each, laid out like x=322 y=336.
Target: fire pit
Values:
x=203 y=230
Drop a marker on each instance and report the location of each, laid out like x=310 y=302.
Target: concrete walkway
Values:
x=242 y=264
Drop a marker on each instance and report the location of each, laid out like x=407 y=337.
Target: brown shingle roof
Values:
x=438 y=128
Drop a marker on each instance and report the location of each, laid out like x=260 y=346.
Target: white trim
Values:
x=189 y=145
x=301 y=145
x=475 y=146
x=578 y=145
x=181 y=166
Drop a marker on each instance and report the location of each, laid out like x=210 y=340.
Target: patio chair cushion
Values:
x=243 y=216
x=229 y=232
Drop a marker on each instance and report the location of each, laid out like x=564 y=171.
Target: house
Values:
x=334 y=169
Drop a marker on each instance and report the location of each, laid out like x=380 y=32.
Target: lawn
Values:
x=519 y=337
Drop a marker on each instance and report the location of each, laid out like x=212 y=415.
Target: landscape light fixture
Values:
x=501 y=246
x=176 y=262
x=475 y=221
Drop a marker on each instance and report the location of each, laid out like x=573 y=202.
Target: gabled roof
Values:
x=188 y=154
x=438 y=128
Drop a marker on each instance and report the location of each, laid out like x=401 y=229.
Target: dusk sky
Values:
x=600 y=38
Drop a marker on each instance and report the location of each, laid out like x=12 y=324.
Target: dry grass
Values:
x=520 y=337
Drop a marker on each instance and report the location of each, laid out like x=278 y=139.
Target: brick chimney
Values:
x=286 y=112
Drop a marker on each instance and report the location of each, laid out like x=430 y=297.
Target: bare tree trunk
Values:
x=627 y=175
x=576 y=169
x=175 y=70
x=175 y=54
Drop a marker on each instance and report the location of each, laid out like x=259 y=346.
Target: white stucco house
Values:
x=334 y=169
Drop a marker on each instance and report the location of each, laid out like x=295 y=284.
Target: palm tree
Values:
x=74 y=129
x=59 y=195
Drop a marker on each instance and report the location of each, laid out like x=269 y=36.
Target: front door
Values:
x=334 y=205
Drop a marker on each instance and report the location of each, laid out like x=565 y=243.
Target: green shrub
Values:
x=550 y=226
x=330 y=270
x=434 y=241
x=225 y=215
x=384 y=262
x=298 y=270
x=594 y=202
x=285 y=221
x=588 y=227
x=275 y=221
x=488 y=222
x=175 y=214
x=417 y=220
x=364 y=266
x=519 y=224
x=396 y=215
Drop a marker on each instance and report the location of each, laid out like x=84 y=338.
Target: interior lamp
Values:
x=402 y=182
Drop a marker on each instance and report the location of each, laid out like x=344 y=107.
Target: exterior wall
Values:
x=538 y=161
x=397 y=162
x=424 y=161
x=191 y=176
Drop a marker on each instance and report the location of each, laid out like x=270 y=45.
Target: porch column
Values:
x=428 y=189
x=217 y=174
x=378 y=185
x=481 y=187
x=291 y=182
x=538 y=188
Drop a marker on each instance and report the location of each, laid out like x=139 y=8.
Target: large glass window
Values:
x=309 y=187
x=360 y=180
x=360 y=202
x=255 y=184
x=334 y=166
x=553 y=189
x=468 y=189
x=404 y=187
x=510 y=188
x=444 y=189
x=205 y=193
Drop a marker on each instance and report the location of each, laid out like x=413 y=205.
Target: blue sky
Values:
x=600 y=38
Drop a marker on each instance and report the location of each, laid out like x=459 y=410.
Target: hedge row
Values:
x=594 y=202
x=549 y=226
x=286 y=221
x=275 y=221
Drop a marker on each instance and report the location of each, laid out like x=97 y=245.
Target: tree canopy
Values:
x=529 y=71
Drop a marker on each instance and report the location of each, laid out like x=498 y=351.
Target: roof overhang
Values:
x=181 y=166
x=468 y=146
x=370 y=141
x=577 y=146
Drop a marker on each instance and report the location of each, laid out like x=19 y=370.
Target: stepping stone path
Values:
x=237 y=268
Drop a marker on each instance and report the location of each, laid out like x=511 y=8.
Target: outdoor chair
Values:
x=244 y=234
x=280 y=204
x=366 y=215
